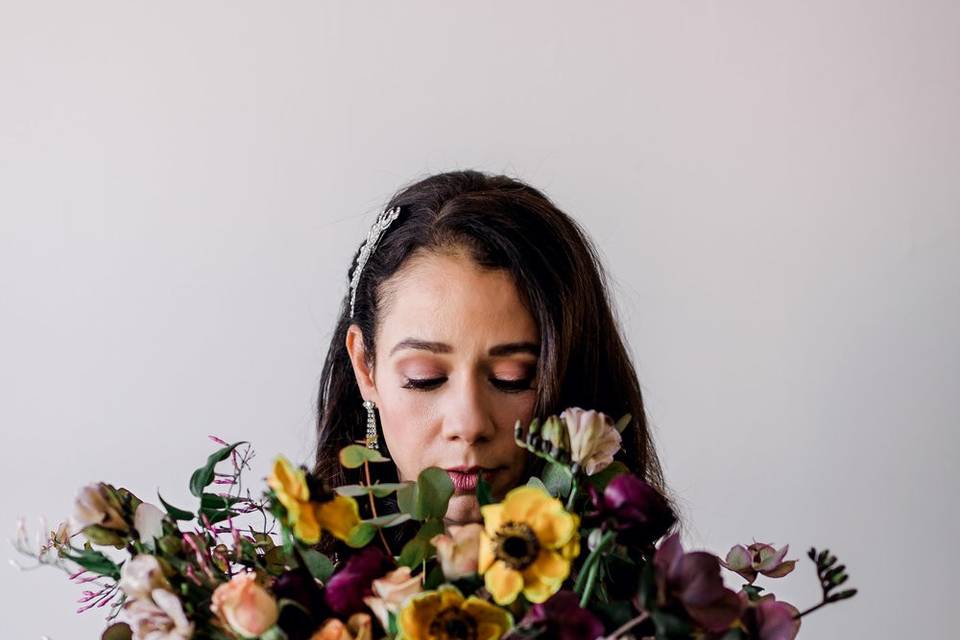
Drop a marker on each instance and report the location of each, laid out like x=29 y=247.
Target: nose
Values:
x=467 y=417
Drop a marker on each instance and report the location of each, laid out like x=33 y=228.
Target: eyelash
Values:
x=507 y=386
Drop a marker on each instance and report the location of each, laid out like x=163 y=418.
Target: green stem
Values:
x=572 y=498
x=591 y=582
x=584 y=577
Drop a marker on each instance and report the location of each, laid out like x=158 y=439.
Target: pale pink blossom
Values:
x=458 y=551
x=390 y=592
x=594 y=438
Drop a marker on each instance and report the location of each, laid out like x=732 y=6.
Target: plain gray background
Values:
x=774 y=187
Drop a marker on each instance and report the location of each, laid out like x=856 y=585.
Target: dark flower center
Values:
x=517 y=545
x=453 y=624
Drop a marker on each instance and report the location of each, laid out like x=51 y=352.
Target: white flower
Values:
x=158 y=617
x=140 y=575
x=594 y=438
x=97 y=504
x=148 y=521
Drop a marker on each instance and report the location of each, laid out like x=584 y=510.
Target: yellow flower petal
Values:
x=415 y=617
x=538 y=591
x=503 y=583
x=553 y=527
x=520 y=502
x=492 y=518
x=492 y=621
x=306 y=527
x=549 y=566
x=486 y=557
x=338 y=516
x=289 y=480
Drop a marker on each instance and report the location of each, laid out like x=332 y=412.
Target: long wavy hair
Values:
x=502 y=223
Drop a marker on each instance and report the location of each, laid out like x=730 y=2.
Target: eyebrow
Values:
x=499 y=350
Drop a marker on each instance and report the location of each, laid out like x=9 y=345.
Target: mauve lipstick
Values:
x=464 y=479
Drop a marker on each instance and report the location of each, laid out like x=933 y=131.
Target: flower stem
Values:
x=574 y=489
x=373 y=508
x=587 y=577
x=626 y=626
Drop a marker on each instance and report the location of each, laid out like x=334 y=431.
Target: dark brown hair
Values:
x=502 y=223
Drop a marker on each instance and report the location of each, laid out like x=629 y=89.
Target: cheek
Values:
x=404 y=422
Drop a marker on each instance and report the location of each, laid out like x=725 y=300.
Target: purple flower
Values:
x=693 y=580
x=348 y=586
x=632 y=507
x=562 y=618
x=758 y=558
x=769 y=619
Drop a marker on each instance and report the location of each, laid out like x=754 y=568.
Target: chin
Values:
x=463 y=508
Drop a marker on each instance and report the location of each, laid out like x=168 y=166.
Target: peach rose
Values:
x=244 y=606
x=358 y=627
x=390 y=592
x=458 y=551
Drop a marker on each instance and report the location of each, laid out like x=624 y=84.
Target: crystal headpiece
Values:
x=373 y=237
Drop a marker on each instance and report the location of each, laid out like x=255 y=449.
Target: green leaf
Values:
x=353 y=456
x=389 y=520
x=361 y=535
x=380 y=490
x=557 y=479
x=484 y=494
x=273 y=633
x=534 y=481
x=417 y=550
x=117 y=631
x=203 y=476
x=95 y=562
x=623 y=422
x=428 y=497
x=319 y=565
x=213 y=501
x=174 y=512
x=434 y=579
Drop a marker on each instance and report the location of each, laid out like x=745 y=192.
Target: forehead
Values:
x=449 y=298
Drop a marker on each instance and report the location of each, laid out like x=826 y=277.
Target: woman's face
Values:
x=456 y=367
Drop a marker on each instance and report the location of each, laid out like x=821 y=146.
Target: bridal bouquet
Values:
x=584 y=551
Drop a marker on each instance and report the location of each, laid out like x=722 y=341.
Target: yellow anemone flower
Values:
x=308 y=518
x=527 y=544
x=444 y=614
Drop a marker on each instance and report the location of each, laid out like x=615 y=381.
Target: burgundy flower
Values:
x=562 y=618
x=693 y=579
x=758 y=558
x=632 y=507
x=770 y=619
x=348 y=586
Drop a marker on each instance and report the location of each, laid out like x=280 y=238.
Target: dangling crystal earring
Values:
x=372 y=440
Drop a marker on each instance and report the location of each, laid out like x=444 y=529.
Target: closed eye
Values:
x=507 y=386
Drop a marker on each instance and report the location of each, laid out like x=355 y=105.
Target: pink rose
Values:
x=244 y=606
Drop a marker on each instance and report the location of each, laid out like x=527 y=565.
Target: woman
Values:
x=475 y=302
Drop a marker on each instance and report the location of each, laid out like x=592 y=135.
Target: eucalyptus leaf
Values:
x=361 y=535
x=389 y=520
x=484 y=493
x=623 y=422
x=557 y=479
x=428 y=498
x=319 y=565
x=353 y=456
x=419 y=548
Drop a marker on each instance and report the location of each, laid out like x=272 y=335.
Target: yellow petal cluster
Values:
x=308 y=518
x=445 y=614
x=527 y=545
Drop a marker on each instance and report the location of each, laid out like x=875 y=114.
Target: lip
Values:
x=465 y=478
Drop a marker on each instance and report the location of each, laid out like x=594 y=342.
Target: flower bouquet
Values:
x=582 y=551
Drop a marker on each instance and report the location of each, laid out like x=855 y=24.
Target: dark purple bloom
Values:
x=562 y=618
x=632 y=507
x=770 y=619
x=348 y=586
x=693 y=580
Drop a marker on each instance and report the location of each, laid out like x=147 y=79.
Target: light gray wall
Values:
x=774 y=187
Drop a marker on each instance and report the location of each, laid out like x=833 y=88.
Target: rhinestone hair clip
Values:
x=373 y=237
